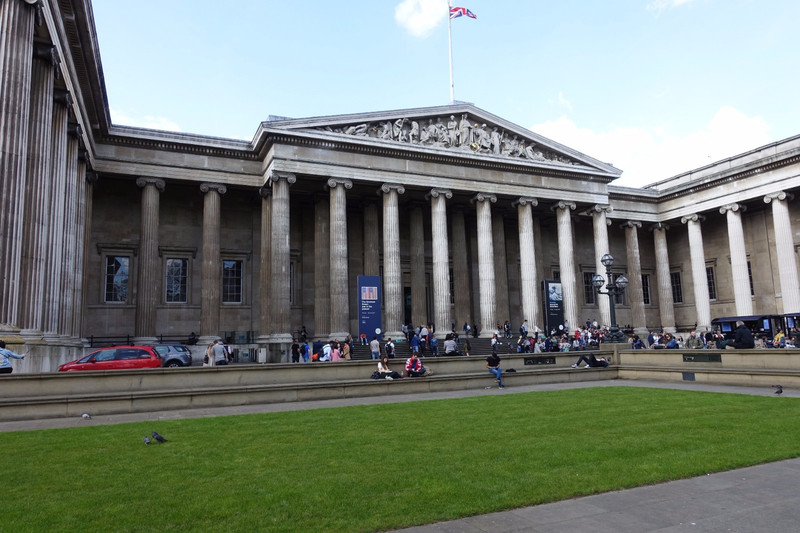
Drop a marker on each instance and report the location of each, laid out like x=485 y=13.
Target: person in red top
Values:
x=414 y=368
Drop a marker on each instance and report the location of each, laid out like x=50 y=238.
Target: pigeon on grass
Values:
x=146 y=440
x=158 y=437
x=779 y=390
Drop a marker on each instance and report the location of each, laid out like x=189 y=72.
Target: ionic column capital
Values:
x=277 y=176
x=732 y=207
x=661 y=226
x=74 y=129
x=264 y=192
x=220 y=188
x=630 y=224
x=780 y=195
x=92 y=177
x=562 y=204
x=45 y=52
x=597 y=209
x=332 y=183
x=435 y=193
x=386 y=188
x=483 y=197
x=694 y=217
x=62 y=96
x=525 y=200
x=144 y=181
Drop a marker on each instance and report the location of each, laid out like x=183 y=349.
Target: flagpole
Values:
x=450 y=47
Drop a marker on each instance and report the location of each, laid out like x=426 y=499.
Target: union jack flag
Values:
x=456 y=12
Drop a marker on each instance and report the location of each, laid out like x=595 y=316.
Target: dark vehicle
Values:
x=174 y=355
x=116 y=358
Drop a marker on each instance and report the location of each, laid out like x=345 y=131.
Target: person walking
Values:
x=5 y=366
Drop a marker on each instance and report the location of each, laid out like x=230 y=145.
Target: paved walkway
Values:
x=755 y=499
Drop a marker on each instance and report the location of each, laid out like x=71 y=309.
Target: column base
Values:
x=31 y=334
x=342 y=335
x=394 y=335
x=277 y=349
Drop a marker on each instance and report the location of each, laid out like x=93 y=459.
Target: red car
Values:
x=116 y=358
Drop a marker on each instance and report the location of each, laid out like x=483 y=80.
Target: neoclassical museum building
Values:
x=115 y=231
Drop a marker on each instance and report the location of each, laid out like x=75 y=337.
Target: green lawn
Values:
x=378 y=467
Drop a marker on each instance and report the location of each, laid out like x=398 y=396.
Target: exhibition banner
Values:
x=369 y=306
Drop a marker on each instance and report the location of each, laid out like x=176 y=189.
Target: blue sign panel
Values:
x=553 y=306
x=369 y=307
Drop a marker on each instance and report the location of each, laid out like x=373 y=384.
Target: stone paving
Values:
x=754 y=499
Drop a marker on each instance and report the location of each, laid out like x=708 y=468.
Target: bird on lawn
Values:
x=86 y=416
x=146 y=440
x=158 y=437
x=780 y=389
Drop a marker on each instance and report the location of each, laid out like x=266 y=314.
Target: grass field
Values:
x=378 y=467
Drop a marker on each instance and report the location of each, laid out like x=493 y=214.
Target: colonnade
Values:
x=45 y=186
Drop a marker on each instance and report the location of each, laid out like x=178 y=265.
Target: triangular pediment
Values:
x=456 y=129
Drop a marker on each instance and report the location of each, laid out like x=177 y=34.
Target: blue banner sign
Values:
x=369 y=307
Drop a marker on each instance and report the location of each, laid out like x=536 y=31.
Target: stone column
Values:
x=502 y=307
x=392 y=275
x=566 y=261
x=280 y=259
x=529 y=282
x=149 y=280
x=416 y=244
x=322 y=267
x=483 y=205
x=16 y=49
x=265 y=266
x=211 y=268
x=699 y=279
x=600 y=231
x=372 y=240
x=635 y=292
x=339 y=285
x=461 y=277
x=58 y=166
x=666 y=308
x=70 y=234
x=441 y=261
x=35 y=244
x=80 y=261
x=91 y=178
x=741 y=279
x=784 y=248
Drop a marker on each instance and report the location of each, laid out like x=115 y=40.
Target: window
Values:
x=176 y=280
x=232 y=281
x=556 y=275
x=750 y=277
x=677 y=291
x=452 y=289
x=116 y=278
x=712 y=286
x=291 y=283
x=588 y=288
x=646 y=288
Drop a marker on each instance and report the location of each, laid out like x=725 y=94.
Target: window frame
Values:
x=677 y=297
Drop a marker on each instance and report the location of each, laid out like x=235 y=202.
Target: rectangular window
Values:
x=588 y=288
x=677 y=291
x=452 y=289
x=556 y=275
x=291 y=283
x=750 y=277
x=646 y=288
x=232 y=281
x=117 y=276
x=712 y=285
x=176 y=280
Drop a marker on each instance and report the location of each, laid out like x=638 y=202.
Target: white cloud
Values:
x=420 y=17
x=649 y=154
x=662 y=5
x=147 y=121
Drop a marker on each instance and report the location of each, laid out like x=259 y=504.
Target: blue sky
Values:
x=655 y=87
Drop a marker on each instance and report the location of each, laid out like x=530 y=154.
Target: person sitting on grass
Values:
x=414 y=368
x=591 y=361
x=384 y=370
x=493 y=364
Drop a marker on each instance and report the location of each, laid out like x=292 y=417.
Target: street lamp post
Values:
x=613 y=289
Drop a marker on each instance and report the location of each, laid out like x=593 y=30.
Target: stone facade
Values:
x=161 y=234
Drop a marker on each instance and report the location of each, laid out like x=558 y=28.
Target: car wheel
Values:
x=173 y=364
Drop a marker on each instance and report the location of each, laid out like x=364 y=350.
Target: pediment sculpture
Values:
x=465 y=134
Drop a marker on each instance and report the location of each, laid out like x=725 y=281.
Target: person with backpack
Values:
x=389 y=348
